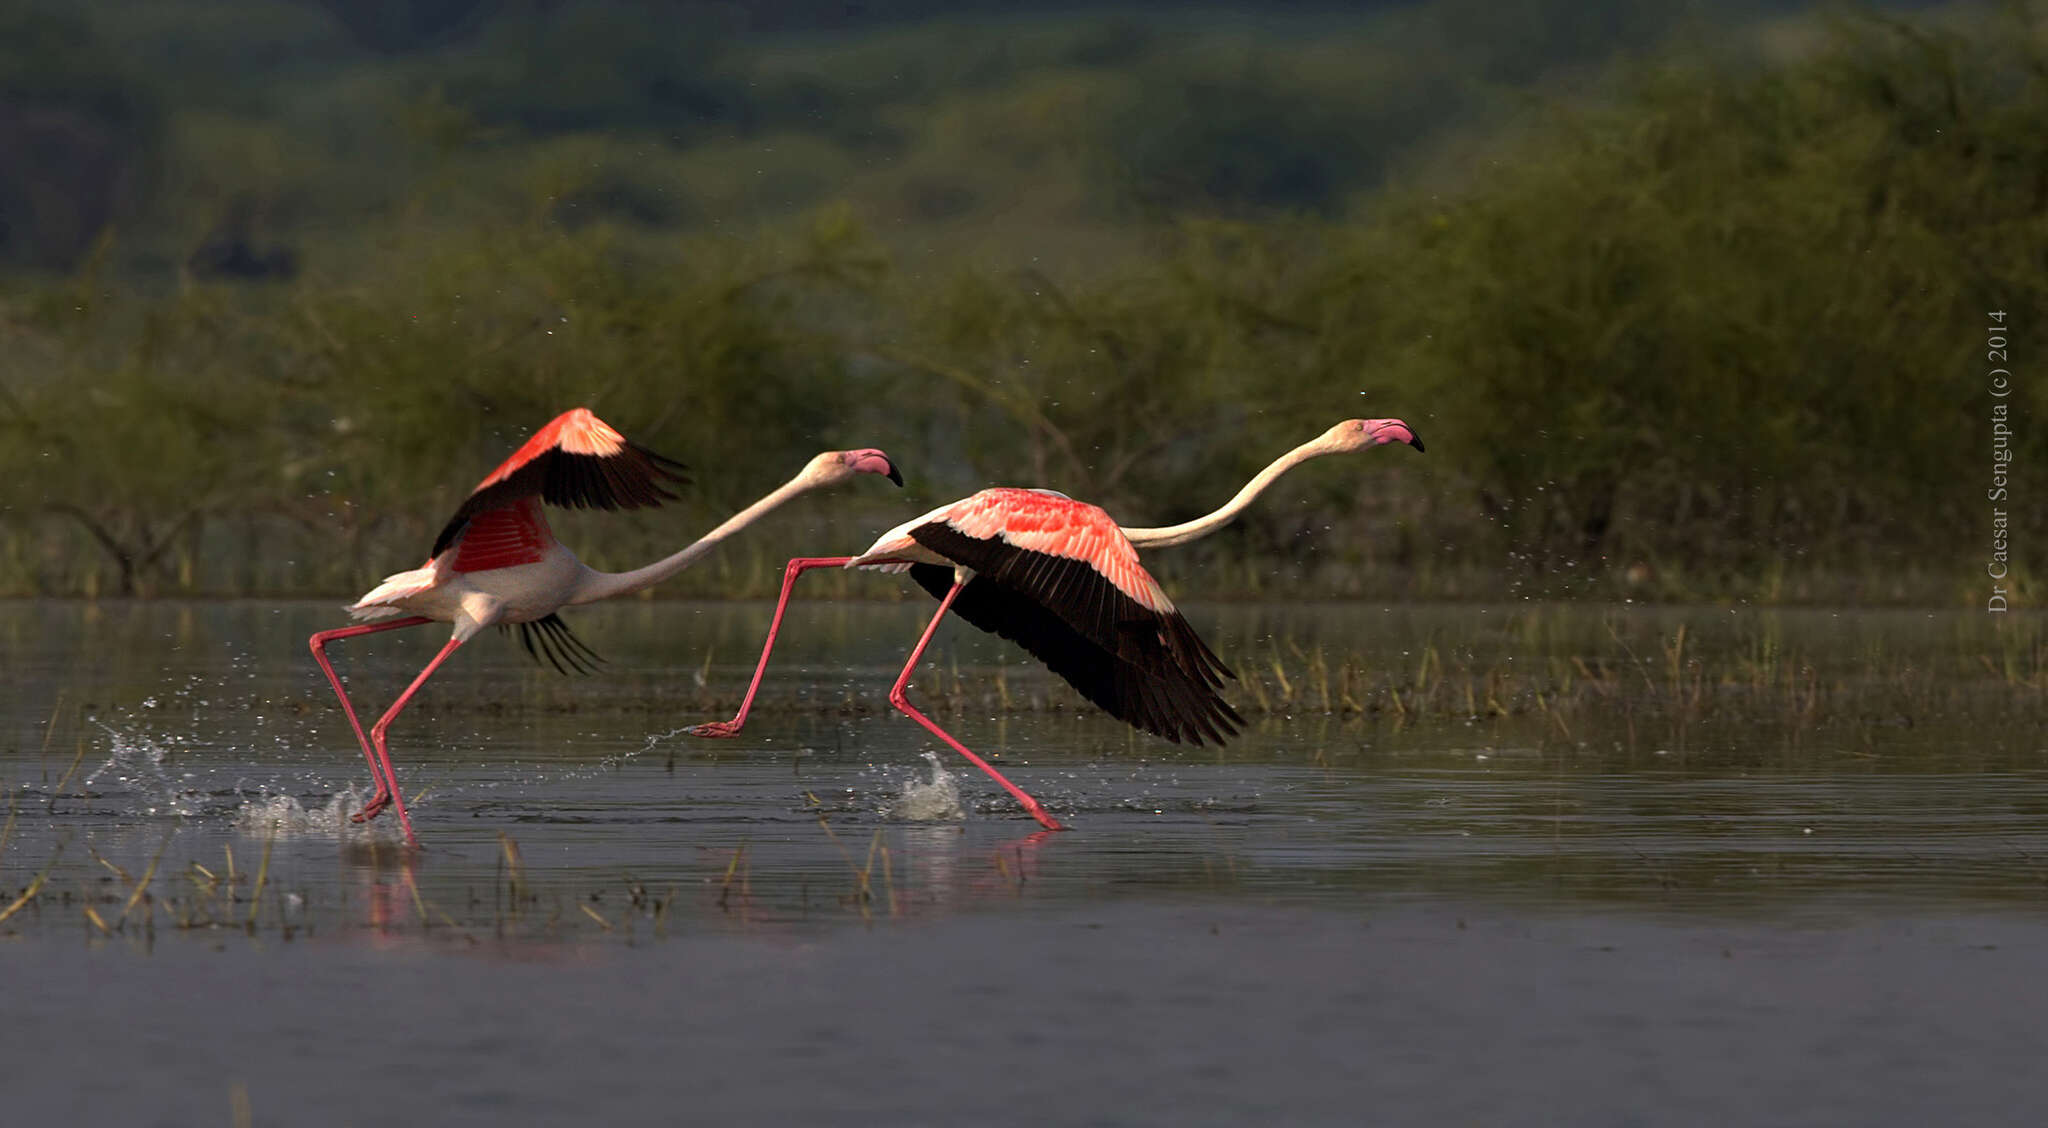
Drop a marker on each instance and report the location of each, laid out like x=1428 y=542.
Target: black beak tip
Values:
x=1415 y=440
x=895 y=476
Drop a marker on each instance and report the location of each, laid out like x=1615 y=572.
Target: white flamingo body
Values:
x=519 y=593
x=473 y=600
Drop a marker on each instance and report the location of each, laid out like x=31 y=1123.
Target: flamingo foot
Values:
x=373 y=808
x=714 y=729
x=1043 y=816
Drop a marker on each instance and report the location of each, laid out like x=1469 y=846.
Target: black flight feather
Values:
x=1135 y=677
x=631 y=478
x=550 y=641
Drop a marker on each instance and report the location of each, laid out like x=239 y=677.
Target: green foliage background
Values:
x=1682 y=310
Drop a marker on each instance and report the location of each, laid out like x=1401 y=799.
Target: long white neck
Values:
x=598 y=585
x=1202 y=526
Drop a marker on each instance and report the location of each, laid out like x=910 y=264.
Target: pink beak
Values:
x=1395 y=431
x=873 y=462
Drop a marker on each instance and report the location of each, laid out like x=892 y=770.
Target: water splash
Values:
x=933 y=800
x=616 y=761
x=286 y=817
x=143 y=775
x=137 y=762
x=605 y=765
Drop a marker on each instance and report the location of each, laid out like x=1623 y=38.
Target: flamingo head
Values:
x=839 y=465
x=1363 y=434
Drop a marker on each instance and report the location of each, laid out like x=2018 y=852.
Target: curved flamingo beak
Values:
x=873 y=461
x=1383 y=431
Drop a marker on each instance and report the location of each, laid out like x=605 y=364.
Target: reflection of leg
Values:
x=898 y=699
x=383 y=725
x=382 y=794
x=795 y=568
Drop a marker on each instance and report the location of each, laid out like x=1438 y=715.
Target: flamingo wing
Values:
x=577 y=461
x=1160 y=699
x=1056 y=577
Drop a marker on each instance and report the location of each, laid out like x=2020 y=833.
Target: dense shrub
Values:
x=1718 y=331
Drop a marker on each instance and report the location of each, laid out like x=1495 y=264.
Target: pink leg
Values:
x=897 y=698
x=795 y=568
x=382 y=796
x=383 y=725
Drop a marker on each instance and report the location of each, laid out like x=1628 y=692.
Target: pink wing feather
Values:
x=576 y=461
x=1059 y=578
x=1038 y=521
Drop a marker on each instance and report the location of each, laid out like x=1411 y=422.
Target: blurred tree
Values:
x=395 y=26
x=1710 y=318
x=1704 y=326
x=609 y=64
x=77 y=131
x=1249 y=137
x=1117 y=391
x=136 y=444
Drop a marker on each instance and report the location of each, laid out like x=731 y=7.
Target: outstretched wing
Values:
x=577 y=461
x=1159 y=698
x=1059 y=579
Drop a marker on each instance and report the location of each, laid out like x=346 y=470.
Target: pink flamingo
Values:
x=497 y=562
x=1060 y=578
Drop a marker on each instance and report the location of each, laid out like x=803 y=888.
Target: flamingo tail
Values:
x=382 y=601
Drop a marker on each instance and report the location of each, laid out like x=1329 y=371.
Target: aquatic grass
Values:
x=1693 y=686
x=117 y=871
x=740 y=867
x=142 y=885
x=262 y=880
x=510 y=880
x=35 y=886
x=863 y=893
x=403 y=905
x=425 y=911
x=58 y=791
x=50 y=732
x=864 y=886
x=888 y=876
x=7 y=831
x=1692 y=670
x=2020 y=653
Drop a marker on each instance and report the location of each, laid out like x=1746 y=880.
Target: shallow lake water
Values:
x=1632 y=912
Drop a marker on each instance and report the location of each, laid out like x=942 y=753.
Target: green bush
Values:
x=1717 y=331
x=1731 y=321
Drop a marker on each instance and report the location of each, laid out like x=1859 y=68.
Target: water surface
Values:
x=1630 y=911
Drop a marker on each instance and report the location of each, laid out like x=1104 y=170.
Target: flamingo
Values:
x=1061 y=578
x=497 y=562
